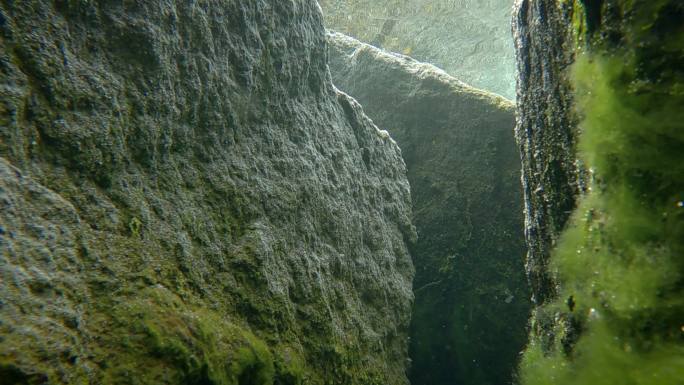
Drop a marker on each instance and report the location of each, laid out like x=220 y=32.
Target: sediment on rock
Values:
x=471 y=309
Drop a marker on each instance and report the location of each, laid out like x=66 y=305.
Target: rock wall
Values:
x=469 y=39
x=545 y=131
x=185 y=198
x=610 y=295
x=472 y=305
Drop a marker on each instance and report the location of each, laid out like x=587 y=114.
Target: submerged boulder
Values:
x=601 y=130
x=471 y=309
x=469 y=39
x=185 y=198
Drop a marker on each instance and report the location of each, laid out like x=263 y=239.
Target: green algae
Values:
x=619 y=316
x=167 y=341
x=135 y=226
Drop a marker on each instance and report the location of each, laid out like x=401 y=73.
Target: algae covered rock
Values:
x=617 y=268
x=469 y=39
x=185 y=198
x=471 y=309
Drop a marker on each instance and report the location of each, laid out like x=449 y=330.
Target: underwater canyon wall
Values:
x=469 y=39
x=546 y=131
x=600 y=127
x=185 y=198
x=471 y=309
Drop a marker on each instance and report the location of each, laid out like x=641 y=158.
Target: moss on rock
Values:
x=185 y=198
x=618 y=317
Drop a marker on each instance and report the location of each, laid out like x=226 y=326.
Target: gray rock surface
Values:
x=185 y=198
x=472 y=307
x=469 y=39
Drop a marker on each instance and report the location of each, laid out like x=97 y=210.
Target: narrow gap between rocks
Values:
x=439 y=77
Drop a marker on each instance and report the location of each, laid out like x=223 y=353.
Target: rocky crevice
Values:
x=471 y=308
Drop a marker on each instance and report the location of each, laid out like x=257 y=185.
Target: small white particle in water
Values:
x=593 y=313
x=680 y=204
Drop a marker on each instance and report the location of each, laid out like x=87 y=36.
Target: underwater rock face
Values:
x=471 y=309
x=545 y=132
x=185 y=198
x=469 y=39
x=614 y=310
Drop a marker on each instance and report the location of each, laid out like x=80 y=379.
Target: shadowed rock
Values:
x=471 y=310
x=546 y=133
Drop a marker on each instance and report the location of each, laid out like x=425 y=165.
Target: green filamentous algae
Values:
x=619 y=315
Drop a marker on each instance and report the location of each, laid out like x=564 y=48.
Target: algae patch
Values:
x=619 y=314
x=168 y=341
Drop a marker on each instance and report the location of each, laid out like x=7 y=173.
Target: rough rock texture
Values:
x=614 y=314
x=185 y=198
x=469 y=39
x=472 y=305
x=545 y=131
